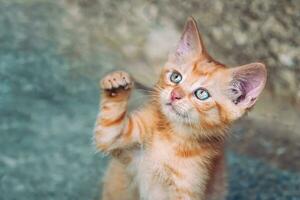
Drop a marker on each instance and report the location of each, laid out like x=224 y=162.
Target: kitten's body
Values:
x=167 y=166
x=173 y=148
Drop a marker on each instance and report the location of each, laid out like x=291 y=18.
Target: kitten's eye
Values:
x=202 y=94
x=175 y=77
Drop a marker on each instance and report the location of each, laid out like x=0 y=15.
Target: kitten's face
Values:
x=196 y=90
x=194 y=94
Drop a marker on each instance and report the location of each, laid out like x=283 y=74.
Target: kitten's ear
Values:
x=190 y=45
x=247 y=82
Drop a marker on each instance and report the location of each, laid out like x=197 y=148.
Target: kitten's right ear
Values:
x=190 y=45
x=247 y=82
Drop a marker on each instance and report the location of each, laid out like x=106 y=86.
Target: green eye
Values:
x=202 y=94
x=175 y=77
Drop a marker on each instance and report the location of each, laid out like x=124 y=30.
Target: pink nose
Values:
x=176 y=94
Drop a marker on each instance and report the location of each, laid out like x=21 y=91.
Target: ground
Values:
x=48 y=104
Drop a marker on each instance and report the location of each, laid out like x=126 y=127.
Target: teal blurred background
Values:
x=53 y=53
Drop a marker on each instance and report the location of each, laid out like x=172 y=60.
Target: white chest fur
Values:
x=160 y=172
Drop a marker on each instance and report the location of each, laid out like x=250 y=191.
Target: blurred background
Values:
x=53 y=53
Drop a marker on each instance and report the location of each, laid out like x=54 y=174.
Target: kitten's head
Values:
x=198 y=91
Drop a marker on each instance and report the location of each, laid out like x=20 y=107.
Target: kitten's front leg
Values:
x=116 y=88
x=115 y=129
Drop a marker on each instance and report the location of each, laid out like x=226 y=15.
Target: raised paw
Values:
x=116 y=82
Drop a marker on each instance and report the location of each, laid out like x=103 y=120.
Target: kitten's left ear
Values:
x=190 y=45
x=247 y=82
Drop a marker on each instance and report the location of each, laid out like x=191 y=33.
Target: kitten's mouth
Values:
x=174 y=110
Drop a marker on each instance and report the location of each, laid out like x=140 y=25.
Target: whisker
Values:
x=144 y=90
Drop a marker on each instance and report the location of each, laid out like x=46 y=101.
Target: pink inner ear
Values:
x=185 y=45
x=248 y=82
x=189 y=44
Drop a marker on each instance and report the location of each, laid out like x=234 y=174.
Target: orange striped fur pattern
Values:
x=173 y=147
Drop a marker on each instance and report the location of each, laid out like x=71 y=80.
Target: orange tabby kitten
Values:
x=173 y=148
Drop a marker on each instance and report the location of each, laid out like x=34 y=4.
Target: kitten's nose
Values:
x=177 y=94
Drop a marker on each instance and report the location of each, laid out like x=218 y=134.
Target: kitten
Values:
x=173 y=148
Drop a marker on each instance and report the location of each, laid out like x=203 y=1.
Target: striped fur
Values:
x=174 y=149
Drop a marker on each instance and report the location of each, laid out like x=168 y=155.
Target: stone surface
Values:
x=52 y=54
